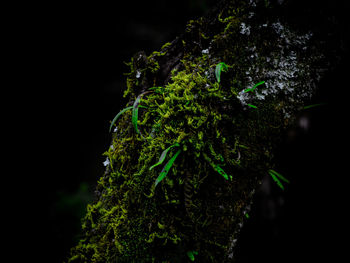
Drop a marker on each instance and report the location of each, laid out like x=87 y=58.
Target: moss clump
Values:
x=226 y=147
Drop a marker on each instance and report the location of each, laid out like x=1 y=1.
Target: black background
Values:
x=67 y=85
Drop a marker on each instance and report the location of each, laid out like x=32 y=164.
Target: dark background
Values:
x=74 y=62
x=71 y=59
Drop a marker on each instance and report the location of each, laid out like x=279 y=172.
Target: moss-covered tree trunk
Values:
x=204 y=118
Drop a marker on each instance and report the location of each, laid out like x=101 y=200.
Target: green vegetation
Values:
x=255 y=86
x=221 y=67
x=217 y=149
x=191 y=255
x=314 y=105
x=162 y=157
x=217 y=167
x=119 y=114
x=117 y=117
x=166 y=168
x=252 y=106
x=276 y=176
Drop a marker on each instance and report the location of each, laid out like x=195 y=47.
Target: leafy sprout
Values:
x=252 y=106
x=276 y=176
x=135 y=113
x=166 y=168
x=163 y=155
x=220 y=67
x=314 y=105
x=255 y=86
x=217 y=167
x=251 y=90
x=222 y=172
x=120 y=113
x=191 y=254
x=117 y=117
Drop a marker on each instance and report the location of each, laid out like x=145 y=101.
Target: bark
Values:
x=223 y=131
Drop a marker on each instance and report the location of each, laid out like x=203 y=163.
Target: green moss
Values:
x=186 y=111
x=226 y=149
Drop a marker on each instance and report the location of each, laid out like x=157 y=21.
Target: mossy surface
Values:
x=195 y=208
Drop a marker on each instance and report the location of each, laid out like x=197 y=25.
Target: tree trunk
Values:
x=206 y=114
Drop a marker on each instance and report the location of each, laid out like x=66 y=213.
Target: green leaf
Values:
x=217 y=167
x=191 y=254
x=254 y=87
x=117 y=117
x=280 y=176
x=220 y=67
x=252 y=106
x=278 y=182
x=135 y=113
x=314 y=105
x=166 y=168
x=275 y=177
x=221 y=171
x=163 y=155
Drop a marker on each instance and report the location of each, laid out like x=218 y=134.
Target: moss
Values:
x=226 y=148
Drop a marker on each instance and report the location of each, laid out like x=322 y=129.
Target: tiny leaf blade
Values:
x=258 y=84
x=220 y=67
x=314 y=105
x=280 y=176
x=252 y=106
x=278 y=182
x=217 y=167
x=166 y=168
x=163 y=155
x=255 y=86
x=221 y=171
x=135 y=113
x=217 y=73
x=190 y=255
x=117 y=117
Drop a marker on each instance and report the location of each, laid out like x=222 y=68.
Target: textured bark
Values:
x=227 y=134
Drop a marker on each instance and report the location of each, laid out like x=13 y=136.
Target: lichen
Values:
x=226 y=147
